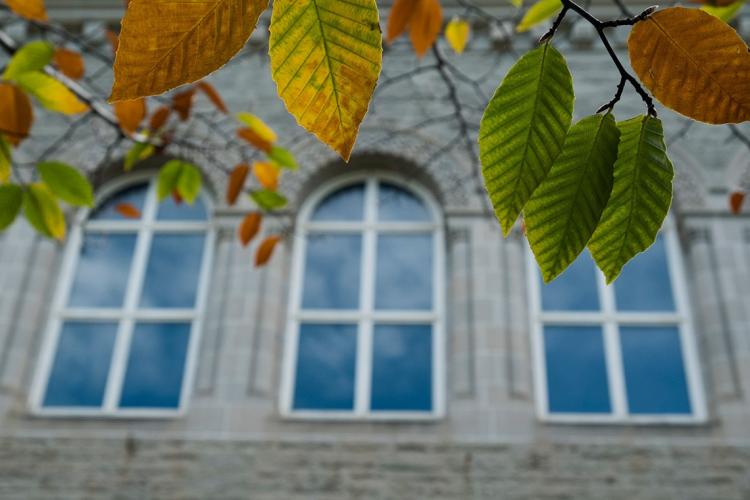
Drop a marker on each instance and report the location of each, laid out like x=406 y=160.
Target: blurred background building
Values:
x=396 y=346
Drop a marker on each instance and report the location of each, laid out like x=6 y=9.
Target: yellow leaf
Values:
x=130 y=114
x=457 y=33
x=516 y=3
x=17 y=113
x=326 y=56
x=51 y=93
x=30 y=9
x=6 y=159
x=694 y=63
x=725 y=12
x=167 y=43
x=541 y=11
x=267 y=174
x=70 y=63
x=43 y=211
x=258 y=126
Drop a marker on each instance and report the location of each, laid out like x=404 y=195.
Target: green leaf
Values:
x=189 y=183
x=565 y=209
x=538 y=13
x=283 y=157
x=168 y=177
x=33 y=56
x=6 y=158
x=139 y=152
x=641 y=196
x=727 y=13
x=268 y=200
x=43 y=212
x=11 y=199
x=67 y=183
x=50 y=93
x=523 y=130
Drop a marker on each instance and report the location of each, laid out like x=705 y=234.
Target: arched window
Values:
x=365 y=336
x=618 y=353
x=126 y=316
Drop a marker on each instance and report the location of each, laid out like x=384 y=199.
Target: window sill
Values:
x=638 y=421
x=348 y=417
x=95 y=414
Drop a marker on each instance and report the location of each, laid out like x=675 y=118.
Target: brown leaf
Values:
x=176 y=197
x=736 y=199
x=130 y=114
x=213 y=96
x=694 y=63
x=30 y=9
x=17 y=114
x=424 y=26
x=70 y=63
x=182 y=103
x=398 y=19
x=236 y=182
x=128 y=210
x=267 y=174
x=249 y=227
x=265 y=250
x=254 y=139
x=159 y=118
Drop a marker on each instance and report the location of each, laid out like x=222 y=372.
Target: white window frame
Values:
x=610 y=320
x=129 y=313
x=366 y=316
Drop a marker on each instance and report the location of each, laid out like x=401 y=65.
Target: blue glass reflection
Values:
x=397 y=204
x=404 y=272
x=325 y=367
x=156 y=365
x=576 y=369
x=644 y=284
x=169 y=210
x=81 y=366
x=332 y=270
x=402 y=368
x=575 y=289
x=654 y=370
x=346 y=204
x=133 y=195
x=173 y=271
x=102 y=271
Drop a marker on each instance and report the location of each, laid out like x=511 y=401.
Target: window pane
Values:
x=173 y=270
x=654 y=370
x=404 y=272
x=576 y=369
x=575 y=289
x=81 y=366
x=134 y=195
x=153 y=377
x=402 y=368
x=103 y=270
x=397 y=204
x=346 y=204
x=325 y=367
x=169 y=210
x=332 y=271
x=644 y=284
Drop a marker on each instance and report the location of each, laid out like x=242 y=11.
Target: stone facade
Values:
x=232 y=441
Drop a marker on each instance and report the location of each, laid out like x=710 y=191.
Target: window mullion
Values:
x=612 y=350
x=135 y=282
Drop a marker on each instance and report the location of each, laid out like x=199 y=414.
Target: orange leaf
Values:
x=267 y=174
x=159 y=118
x=213 y=96
x=253 y=138
x=182 y=103
x=236 y=182
x=265 y=250
x=128 y=210
x=424 y=26
x=249 y=227
x=130 y=114
x=398 y=19
x=70 y=63
x=113 y=39
x=736 y=199
x=17 y=114
x=30 y=9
